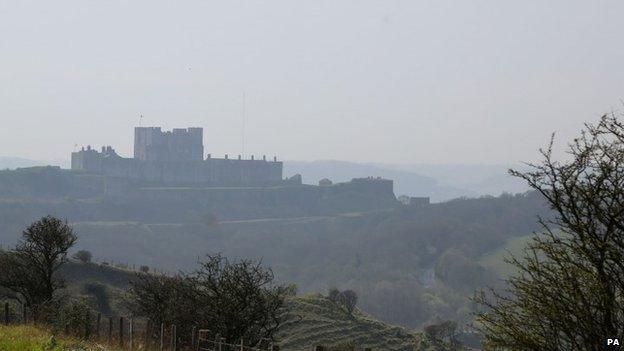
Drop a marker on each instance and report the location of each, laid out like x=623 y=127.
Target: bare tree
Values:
x=334 y=296
x=443 y=336
x=349 y=300
x=568 y=292
x=346 y=299
x=237 y=300
x=29 y=271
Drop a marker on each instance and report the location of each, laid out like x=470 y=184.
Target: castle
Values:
x=176 y=157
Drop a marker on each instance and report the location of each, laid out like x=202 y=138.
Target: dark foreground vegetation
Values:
x=237 y=300
x=567 y=294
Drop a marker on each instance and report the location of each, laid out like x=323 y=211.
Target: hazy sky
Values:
x=385 y=81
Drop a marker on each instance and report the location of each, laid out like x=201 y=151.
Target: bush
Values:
x=334 y=296
x=74 y=317
x=291 y=290
x=144 y=269
x=443 y=335
x=237 y=300
x=83 y=256
x=347 y=300
x=13 y=313
x=100 y=293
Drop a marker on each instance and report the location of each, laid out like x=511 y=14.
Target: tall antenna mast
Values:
x=243 y=128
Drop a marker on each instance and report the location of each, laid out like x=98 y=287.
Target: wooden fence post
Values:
x=174 y=341
x=121 y=331
x=162 y=336
x=87 y=326
x=97 y=325
x=242 y=346
x=148 y=331
x=110 y=330
x=6 y=313
x=23 y=313
x=131 y=333
x=193 y=338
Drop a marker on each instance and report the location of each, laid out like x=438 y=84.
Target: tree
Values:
x=568 y=292
x=83 y=256
x=237 y=300
x=29 y=271
x=443 y=336
x=334 y=296
x=349 y=298
x=346 y=299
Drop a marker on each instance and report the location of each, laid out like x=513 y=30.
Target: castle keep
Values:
x=176 y=157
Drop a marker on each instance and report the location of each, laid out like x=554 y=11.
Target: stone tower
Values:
x=152 y=144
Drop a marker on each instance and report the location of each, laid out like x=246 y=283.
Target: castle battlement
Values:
x=176 y=157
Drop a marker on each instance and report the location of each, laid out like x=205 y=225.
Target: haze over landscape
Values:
x=311 y=173
x=403 y=82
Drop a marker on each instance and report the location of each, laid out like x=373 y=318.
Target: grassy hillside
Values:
x=314 y=320
x=495 y=260
x=29 y=338
x=409 y=266
x=104 y=287
x=310 y=320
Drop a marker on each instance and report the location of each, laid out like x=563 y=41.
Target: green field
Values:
x=495 y=260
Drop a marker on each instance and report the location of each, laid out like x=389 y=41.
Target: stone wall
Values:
x=212 y=171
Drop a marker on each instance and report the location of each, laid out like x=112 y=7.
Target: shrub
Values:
x=74 y=316
x=83 y=256
x=100 y=293
x=238 y=300
x=347 y=300
x=144 y=269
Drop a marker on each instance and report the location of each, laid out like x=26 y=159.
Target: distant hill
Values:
x=409 y=266
x=18 y=162
x=405 y=182
x=474 y=178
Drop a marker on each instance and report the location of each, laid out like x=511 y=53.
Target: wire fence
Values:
x=144 y=335
x=207 y=342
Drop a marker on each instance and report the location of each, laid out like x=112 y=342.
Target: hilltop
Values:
x=314 y=320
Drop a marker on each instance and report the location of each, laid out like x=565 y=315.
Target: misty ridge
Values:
x=439 y=182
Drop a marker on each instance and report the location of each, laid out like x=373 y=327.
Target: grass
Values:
x=495 y=260
x=314 y=320
x=30 y=338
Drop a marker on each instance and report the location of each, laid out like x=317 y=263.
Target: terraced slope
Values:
x=314 y=320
